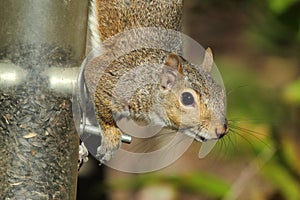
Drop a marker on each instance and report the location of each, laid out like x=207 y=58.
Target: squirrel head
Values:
x=194 y=103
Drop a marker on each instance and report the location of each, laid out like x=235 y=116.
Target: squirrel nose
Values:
x=221 y=131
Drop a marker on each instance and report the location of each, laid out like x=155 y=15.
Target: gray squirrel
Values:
x=188 y=98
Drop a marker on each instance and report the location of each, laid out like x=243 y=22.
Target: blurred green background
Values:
x=256 y=45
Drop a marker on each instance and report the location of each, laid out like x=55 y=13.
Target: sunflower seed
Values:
x=30 y=135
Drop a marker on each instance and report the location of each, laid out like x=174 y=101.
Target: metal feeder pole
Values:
x=42 y=44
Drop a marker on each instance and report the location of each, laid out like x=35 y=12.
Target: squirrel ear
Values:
x=208 y=60
x=174 y=62
x=172 y=68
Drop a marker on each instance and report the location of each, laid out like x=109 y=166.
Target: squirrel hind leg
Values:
x=111 y=141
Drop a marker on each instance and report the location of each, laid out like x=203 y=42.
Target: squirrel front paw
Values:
x=111 y=141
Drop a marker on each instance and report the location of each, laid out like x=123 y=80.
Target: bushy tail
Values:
x=110 y=17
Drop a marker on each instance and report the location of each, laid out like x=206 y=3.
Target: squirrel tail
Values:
x=110 y=17
x=105 y=19
x=94 y=38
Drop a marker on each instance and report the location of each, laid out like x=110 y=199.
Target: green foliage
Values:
x=282 y=180
x=280 y=6
x=277 y=27
x=196 y=182
x=292 y=92
x=247 y=98
x=205 y=183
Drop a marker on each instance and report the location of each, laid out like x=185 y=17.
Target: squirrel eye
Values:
x=187 y=99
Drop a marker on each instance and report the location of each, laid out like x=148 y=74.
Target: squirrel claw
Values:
x=111 y=142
